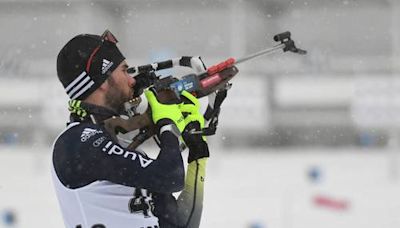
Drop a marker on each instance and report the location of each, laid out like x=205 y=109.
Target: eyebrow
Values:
x=125 y=66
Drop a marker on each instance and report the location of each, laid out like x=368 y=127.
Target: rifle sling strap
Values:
x=212 y=113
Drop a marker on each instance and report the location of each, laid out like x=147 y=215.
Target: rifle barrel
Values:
x=262 y=52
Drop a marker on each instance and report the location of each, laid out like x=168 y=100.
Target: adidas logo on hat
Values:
x=106 y=65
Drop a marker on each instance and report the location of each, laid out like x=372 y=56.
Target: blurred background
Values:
x=303 y=141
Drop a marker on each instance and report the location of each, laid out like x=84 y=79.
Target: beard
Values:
x=115 y=97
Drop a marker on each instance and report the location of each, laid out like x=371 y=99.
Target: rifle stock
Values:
x=143 y=122
x=115 y=124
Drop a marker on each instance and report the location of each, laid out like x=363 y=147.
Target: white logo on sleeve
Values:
x=106 y=65
x=117 y=150
x=89 y=132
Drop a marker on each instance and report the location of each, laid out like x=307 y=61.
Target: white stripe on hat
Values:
x=79 y=86
x=76 y=80
x=84 y=89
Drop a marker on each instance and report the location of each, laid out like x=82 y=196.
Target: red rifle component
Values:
x=220 y=66
x=211 y=81
x=213 y=77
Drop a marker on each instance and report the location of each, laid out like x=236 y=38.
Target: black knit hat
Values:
x=86 y=61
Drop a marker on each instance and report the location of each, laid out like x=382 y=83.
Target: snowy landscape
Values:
x=349 y=188
x=304 y=141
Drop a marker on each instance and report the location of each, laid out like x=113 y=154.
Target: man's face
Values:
x=120 y=87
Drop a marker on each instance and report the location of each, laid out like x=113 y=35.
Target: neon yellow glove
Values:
x=193 y=110
x=194 y=122
x=161 y=112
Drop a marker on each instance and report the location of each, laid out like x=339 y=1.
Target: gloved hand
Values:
x=164 y=114
x=194 y=122
x=192 y=110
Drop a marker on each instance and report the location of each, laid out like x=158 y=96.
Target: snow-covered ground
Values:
x=245 y=188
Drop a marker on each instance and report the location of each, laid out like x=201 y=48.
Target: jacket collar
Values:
x=99 y=113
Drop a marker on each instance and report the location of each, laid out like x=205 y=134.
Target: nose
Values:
x=131 y=81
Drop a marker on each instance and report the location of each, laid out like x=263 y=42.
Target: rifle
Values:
x=168 y=89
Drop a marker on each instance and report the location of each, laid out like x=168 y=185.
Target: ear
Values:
x=105 y=86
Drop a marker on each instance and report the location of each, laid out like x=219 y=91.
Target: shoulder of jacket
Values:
x=77 y=126
x=77 y=131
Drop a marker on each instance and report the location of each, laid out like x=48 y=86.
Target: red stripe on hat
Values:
x=89 y=62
